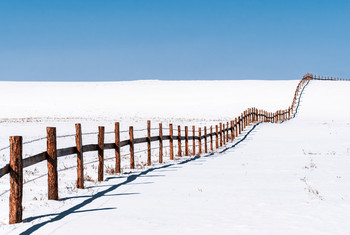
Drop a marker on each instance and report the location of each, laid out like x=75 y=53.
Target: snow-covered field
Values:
x=282 y=179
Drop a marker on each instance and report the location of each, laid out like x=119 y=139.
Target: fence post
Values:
x=199 y=141
x=131 y=143
x=205 y=140
x=194 y=140
x=149 y=159
x=223 y=134
x=80 y=156
x=179 y=140
x=239 y=125
x=16 y=180
x=171 y=142
x=117 y=148
x=52 y=179
x=101 y=141
x=160 y=143
x=211 y=138
x=227 y=131
x=232 y=131
x=216 y=137
x=236 y=128
x=186 y=141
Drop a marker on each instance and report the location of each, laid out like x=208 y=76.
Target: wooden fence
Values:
x=222 y=133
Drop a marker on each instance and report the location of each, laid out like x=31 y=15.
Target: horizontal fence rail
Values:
x=213 y=138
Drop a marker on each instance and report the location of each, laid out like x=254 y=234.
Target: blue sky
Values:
x=90 y=40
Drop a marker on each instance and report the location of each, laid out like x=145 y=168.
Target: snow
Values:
x=284 y=178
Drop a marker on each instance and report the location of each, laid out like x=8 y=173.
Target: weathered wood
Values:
x=199 y=141
x=52 y=178
x=205 y=140
x=232 y=132
x=16 y=180
x=179 y=140
x=236 y=127
x=29 y=161
x=100 y=152
x=171 y=142
x=239 y=125
x=211 y=138
x=220 y=133
x=149 y=160
x=80 y=156
x=160 y=143
x=216 y=137
x=90 y=148
x=194 y=141
x=186 y=141
x=117 y=147
x=131 y=143
x=223 y=134
x=227 y=131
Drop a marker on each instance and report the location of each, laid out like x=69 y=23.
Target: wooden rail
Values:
x=223 y=133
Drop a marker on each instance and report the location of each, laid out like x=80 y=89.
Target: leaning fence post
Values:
x=16 y=179
x=131 y=143
x=205 y=140
x=101 y=140
x=186 y=141
x=171 y=142
x=179 y=140
x=149 y=159
x=194 y=140
x=80 y=158
x=117 y=148
x=160 y=143
x=52 y=179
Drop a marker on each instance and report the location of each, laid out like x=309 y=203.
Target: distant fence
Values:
x=222 y=133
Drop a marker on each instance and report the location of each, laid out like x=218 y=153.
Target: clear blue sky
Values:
x=91 y=40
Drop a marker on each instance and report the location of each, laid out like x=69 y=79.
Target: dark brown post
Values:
x=199 y=141
x=216 y=137
x=220 y=134
x=239 y=125
x=186 y=141
x=149 y=159
x=211 y=138
x=52 y=179
x=171 y=142
x=101 y=142
x=227 y=131
x=16 y=179
x=236 y=127
x=131 y=142
x=117 y=148
x=179 y=140
x=205 y=140
x=194 y=140
x=80 y=158
x=232 y=132
x=223 y=134
x=160 y=143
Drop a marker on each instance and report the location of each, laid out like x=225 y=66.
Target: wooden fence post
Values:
x=239 y=125
x=186 y=141
x=16 y=179
x=149 y=158
x=117 y=148
x=232 y=131
x=52 y=178
x=227 y=131
x=171 y=142
x=216 y=137
x=179 y=140
x=220 y=133
x=236 y=128
x=194 y=140
x=131 y=143
x=205 y=140
x=80 y=156
x=199 y=141
x=101 y=142
x=160 y=143
x=211 y=138
x=223 y=134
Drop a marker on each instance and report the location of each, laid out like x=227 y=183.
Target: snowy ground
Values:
x=282 y=179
